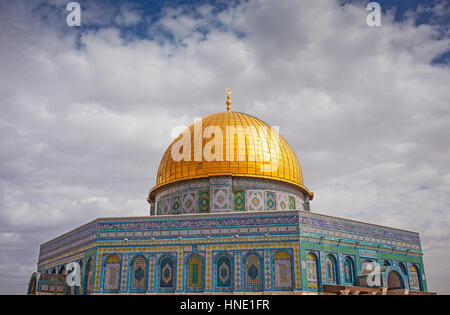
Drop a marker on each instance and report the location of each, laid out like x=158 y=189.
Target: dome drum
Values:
x=228 y=194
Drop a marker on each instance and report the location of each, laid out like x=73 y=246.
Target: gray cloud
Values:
x=83 y=130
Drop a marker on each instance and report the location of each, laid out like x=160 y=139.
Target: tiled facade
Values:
x=230 y=252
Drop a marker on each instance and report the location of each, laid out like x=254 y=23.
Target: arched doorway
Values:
x=282 y=267
x=395 y=281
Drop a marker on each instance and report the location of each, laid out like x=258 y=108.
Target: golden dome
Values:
x=262 y=158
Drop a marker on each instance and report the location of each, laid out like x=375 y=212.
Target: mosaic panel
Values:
x=237 y=267
x=189 y=202
x=112 y=274
x=208 y=278
x=239 y=200
x=151 y=273
x=139 y=272
x=176 y=205
x=267 y=273
x=297 y=268
x=271 y=200
x=166 y=274
x=292 y=203
x=195 y=272
x=283 y=202
x=165 y=206
x=203 y=201
x=223 y=272
x=253 y=272
x=221 y=199
x=283 y=273
x=255 y=200
x=159 y=207
x=124 y=273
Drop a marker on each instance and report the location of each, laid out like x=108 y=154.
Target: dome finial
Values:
x=228 y=99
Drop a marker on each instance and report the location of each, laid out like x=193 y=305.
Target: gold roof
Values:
x=286 y=167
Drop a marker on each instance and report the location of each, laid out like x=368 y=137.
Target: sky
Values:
x=87 y=112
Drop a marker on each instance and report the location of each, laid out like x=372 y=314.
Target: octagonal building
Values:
x=230 y=213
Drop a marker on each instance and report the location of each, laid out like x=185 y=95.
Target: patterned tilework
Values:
x=283 y=273
x=239 y=200
x=224 y=200
x=98 y=269
x=189 y=202
x=223 y=272
x=283 y=202
x=195 y=269
x=151 y=273
x=139 y=230
x=208 y=276
x=221 y=199
x=297 y=268
x=203 y=201
x=124 y=273
x=323 y=267
x=253 y=272
x=111 y=276
x=312 y=223
x=255 y=200
x=179 y=268
x=237 y=268
x=267 y=272
x=176 y=205
x=166 y=273
x=139 y=274
x=271 y=200
x=292 y=203
x=280 y=275
x=166 y=206
x=159 y=208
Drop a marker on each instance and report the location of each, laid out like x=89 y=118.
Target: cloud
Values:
x=83 y=127
x=128 y=15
